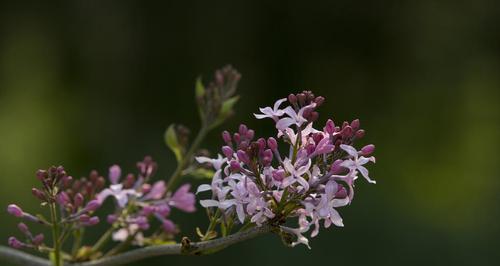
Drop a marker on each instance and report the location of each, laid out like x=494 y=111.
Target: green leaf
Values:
x=226 y=110
x=173 y=143
x=199 y=89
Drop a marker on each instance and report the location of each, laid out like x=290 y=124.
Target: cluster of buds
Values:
x=137 y=202
x=255 y=183
x=216 y=100
x=74 y=198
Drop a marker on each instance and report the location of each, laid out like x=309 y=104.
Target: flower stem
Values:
x=55 y=235
x=174 y=178
x=103 y=240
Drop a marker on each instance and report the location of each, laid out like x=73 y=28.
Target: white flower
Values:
x=355 y=163
x=294 y=118
x=121 y=195
x=297 y=232
x=273 y=113
x=296 y=173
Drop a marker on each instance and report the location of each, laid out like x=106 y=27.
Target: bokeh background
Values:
x=88 y=84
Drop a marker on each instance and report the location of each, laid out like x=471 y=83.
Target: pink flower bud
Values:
x=355 y=124
x=367 y=150
x=168 y=226
x=279 y=175
x=243 y=130
x=13 y=242
x=360 y=134
x=92 y=221
x=62 y=199
x=38 y=194
x=38 y=240
x=15 y=210
x=272 y=143
x=227 y=151
x=292 y=98
x=226 y=136
x=262 y=143
x=336 y=168
x=111 y=218
x=243 y=156
x=23 y=228
x=41 y=175
x=250 y=134
x=78 y=200
x=329 y=127
x=114 y=174
x=235 y=166
x=92 y=205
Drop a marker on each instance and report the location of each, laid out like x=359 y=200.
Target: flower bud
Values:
x=367 y=150
x=329 y=127
x=243 y=156
x=111 y=218
x=355 y=124
x=279 y=175
x=24 y=228
x=62 y=199
x=272 y=143
x=226 y=136
x=227 y=151
x=292 y=99
x=15 y=243
x=336 y=168
x=38 y=194
x=78 y=200
x=243 y=129
x=92 y=221
x=114 y=174
x=15 y=210
x=38 y=240
x=234 y=165
x=360 y=134
x=168 y=226
x=250 y=134
x=92 y=205
x=41 y=175
x=319 y=100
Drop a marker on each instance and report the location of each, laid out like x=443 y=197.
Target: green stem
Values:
x=211 y=226
x=174 y=179
x=77 y=241
x=55 y=235
x=103 y=240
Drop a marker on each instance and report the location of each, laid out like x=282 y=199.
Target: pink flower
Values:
x=183 y=199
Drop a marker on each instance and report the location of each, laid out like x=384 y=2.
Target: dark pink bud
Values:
x=62 y=199
x=319 y=100
x=92 y=205
x=111 y=219
x=38 y=240
x=292 y=98
x=38 y=194
x=13 y=242
x=355 y=124
x=329 y=127
x=227 y=151
x=250 y=134
x=235 y=166
x=114 y=174
x=226 y=136
x=336 y=168
x=262 y=143
x=313 y=116
x=15 y=210
x=347 y=131
x=84 y=218
x=23 y=228
x=168 y=226
x=237 y=137
x=41 y=175
x=163 y=210
x=272 y=143
x=243 y=130
x=360 y=134
x=243 y=156
x=367 y=150
x=78 y=200
x=146 y=188
x=92 y=221
x=148 y=210
x=267 y=157
x=341 y=192
x=279 y=175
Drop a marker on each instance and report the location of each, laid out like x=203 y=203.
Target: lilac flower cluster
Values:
x=137 y=202
x=255 y=183
x=75 y=199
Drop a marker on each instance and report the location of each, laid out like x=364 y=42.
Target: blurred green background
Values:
x=88 y=84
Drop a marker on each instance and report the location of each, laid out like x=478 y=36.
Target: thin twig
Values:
x=194 y=248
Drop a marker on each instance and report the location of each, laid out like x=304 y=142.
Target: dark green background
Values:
x=90 y=83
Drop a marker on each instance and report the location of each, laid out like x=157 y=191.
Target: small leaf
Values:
x=210 y=235
x=226 y=110
x=199 y=89
x=173 y=143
